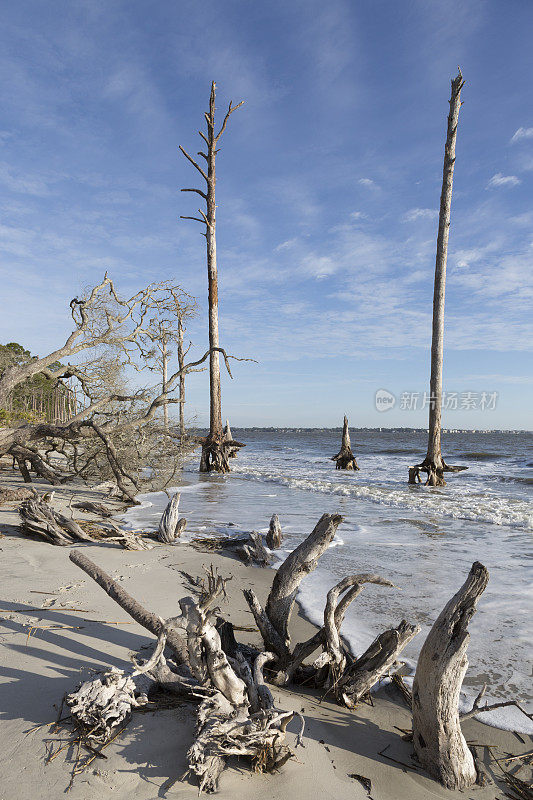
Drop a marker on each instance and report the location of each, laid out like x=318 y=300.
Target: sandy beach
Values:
x=57 y=625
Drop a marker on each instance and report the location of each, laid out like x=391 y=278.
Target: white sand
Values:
x=147 y=761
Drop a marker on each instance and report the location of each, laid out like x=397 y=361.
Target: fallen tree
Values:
x=236 y=713
x=115 y=433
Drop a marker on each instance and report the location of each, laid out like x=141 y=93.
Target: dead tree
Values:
x=345 y=459
x=438 y=740
x=434 y=465
x=114 y=434
x=214 y=447
x=335 y=667
x=236 y=715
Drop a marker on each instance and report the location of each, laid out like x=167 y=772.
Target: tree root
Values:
x=236 y=715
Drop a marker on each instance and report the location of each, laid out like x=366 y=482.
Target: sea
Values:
x=424 y=540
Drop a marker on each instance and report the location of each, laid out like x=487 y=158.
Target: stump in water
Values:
x=345 y=459
x=438 y=740
x=232 y=446
x=216 y=452
x=274 y=536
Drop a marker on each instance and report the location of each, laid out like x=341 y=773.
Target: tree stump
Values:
x=438 y=740
x=170 y=526
x=345 y=459
x=274 y=536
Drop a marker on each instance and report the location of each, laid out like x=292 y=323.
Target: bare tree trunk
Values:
x=433 y=463
x=345 y=459
x=165 y=379
x=438 y=740
x=181 y=362
x=214 y=450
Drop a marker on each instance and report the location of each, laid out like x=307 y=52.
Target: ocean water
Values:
x=422 y=539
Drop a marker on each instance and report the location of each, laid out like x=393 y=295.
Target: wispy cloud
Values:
x=421 y=213
x=522 y=133
x=499 y=179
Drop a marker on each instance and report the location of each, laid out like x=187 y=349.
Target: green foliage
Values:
x=14 y=354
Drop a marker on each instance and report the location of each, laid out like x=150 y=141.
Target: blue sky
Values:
x=328 y=189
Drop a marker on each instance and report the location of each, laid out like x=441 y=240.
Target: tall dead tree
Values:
x=434 y=465
x=345 y=459
x=214 y=447
x=181 y=363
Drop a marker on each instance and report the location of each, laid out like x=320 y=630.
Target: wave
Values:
x=468 y=505
x=483 y=456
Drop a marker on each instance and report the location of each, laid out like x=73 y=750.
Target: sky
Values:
x=328 y=186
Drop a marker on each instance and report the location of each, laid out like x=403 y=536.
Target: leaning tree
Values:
x=215 y=446
x=434 y=465
x=116 y=425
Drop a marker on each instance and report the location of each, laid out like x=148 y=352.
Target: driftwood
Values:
x=438 y=740
x=374 y=663
x=94 y=508
x=40 y=519
x=104 y=703
x=249 y=548
x=171 y=526
x=13 y=495
x=345 y=459
x=236 y=716
x=334 y=668
x=274 y=537
x=152 y=622
x=434 y=465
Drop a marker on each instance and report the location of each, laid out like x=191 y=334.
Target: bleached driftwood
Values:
x=170 y=525
x=235 y=716
x=39 y=518
x=334 y=667
x=102 y=704
x=296 y=566
x=274 y=536
x=94 y=508
x=374 y=663
x=253 y=551
x=438 y=740
x=152 y=622
x=345 y=459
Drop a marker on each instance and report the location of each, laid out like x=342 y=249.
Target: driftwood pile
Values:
x=39 y=518
x=235 y=714
x=198 y=659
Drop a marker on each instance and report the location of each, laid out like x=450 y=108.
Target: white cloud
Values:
x=366 y=182
x=522 y=133
x=499 y=179
x=421 y=213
